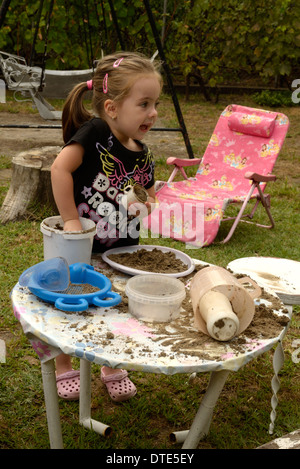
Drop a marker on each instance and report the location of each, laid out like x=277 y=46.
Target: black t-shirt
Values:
x=107 y=168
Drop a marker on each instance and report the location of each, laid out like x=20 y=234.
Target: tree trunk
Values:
x=30 y=182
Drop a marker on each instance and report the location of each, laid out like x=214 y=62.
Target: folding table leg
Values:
x=85 y=402
x=52 y=407
x=201 y=423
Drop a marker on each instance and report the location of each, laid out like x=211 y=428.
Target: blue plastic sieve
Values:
x=74 y=297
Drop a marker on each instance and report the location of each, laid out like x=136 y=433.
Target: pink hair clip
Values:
x=117 y=62
x=105 y=79
x=105 y=88
x=89 y=84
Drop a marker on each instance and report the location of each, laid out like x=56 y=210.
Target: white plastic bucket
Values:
x=74 y=246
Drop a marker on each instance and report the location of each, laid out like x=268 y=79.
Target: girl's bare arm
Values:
x=68 y=160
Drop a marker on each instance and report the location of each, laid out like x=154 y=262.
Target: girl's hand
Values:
x=141 y=210
x=150 y=204
x=73 y=225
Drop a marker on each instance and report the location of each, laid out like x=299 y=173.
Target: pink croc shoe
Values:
x=68 y=385
x=119 y=386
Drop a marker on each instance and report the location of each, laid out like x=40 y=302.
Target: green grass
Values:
x=164 y=403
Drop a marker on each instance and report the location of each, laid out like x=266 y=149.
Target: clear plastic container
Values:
x=52 y=274
x=155 y=297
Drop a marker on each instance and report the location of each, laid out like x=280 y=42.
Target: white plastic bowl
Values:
x=190 y=265
x=155 y=297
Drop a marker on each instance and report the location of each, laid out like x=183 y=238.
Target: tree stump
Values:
x=30 y=182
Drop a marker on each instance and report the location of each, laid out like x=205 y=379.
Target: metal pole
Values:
x=85 y=402
x=115 y=20
x=169 y=79
x=58 y=126
x=3 y=11
x=163 y=29
x=201 y=423
x=51 y=402
x=36 y=33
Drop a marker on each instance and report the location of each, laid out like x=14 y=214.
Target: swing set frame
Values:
x=36 y=76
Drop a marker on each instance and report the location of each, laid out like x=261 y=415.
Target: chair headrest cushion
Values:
x=260 y=124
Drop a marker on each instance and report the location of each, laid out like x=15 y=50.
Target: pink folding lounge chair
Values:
x=235 y=168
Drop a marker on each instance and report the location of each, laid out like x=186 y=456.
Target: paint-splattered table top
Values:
x=113 y=337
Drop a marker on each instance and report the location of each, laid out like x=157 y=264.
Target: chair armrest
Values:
x=180 y=162
x=260 y=177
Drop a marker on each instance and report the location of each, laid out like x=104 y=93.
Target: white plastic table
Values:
x=113 y=337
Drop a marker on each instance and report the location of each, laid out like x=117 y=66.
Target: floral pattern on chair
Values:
x=244 y=140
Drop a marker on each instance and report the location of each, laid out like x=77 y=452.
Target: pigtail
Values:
x=74 y=113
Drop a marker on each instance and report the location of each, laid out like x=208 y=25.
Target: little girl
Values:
x=101 y=157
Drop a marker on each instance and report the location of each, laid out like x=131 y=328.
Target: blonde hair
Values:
x=113 y=79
